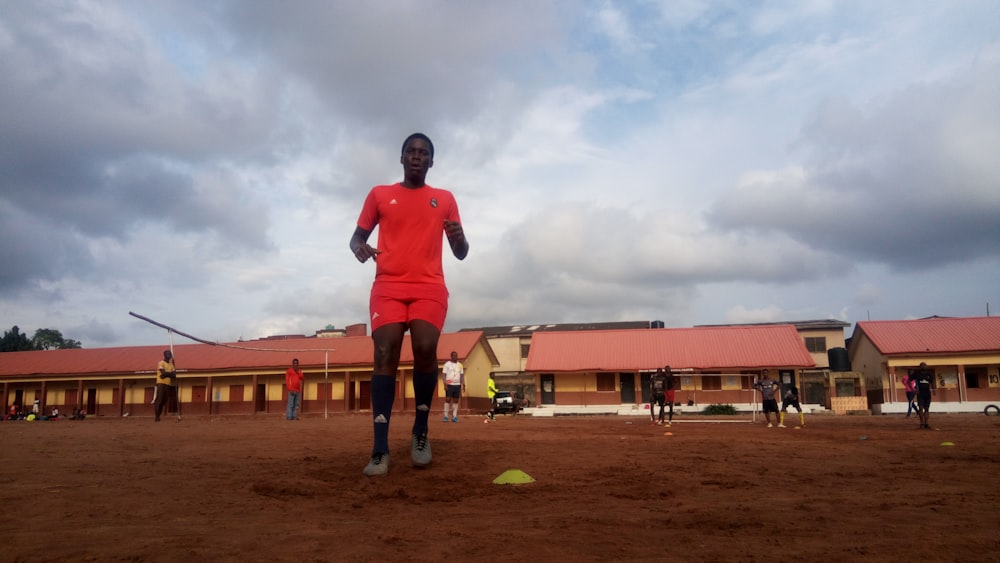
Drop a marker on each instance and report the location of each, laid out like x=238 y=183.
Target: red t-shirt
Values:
x=293 y=380
x=410 y=231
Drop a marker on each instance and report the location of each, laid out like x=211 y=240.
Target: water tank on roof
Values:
x=839 y=361
x=656 y=324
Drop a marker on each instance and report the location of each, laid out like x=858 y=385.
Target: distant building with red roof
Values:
x=513 y=345
x=230 y=378
x=963 y=352
x=715 y=365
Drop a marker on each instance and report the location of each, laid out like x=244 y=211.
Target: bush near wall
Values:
x=719 y=409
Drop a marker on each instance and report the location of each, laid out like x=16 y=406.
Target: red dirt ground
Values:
x=607 y=488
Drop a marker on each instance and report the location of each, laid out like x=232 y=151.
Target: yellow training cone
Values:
x=947 y=444
x=513 y=477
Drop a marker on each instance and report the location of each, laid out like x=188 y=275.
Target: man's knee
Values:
x=388 y=342
x=424 y=339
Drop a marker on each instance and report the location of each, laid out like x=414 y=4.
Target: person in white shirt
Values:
x=454 y=385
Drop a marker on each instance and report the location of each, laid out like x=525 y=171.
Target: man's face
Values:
x=454 y=356
x=295 y=364
x=416 y=158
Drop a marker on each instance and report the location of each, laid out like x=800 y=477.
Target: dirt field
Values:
x=607 y=488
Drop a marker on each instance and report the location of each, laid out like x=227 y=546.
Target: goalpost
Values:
x=688 y=385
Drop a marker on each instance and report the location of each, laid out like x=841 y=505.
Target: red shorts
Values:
x=670 y=395
x=402 y=302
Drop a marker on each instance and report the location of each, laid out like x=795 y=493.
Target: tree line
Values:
x=44 y=339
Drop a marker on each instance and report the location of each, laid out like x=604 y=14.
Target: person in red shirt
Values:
x=409 y=292
x=293 y=382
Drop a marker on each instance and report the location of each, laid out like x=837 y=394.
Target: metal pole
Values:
x=177 y=388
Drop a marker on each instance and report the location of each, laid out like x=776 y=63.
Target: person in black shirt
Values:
x=924 y=379
x=671 y=383
x=658 y=396
x=791 y=399
x=767 y=387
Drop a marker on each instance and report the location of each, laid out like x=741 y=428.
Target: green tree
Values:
x=52 y=339
x=14 y=340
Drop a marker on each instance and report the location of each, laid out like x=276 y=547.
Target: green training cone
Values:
x=947 y=444
x=513 y=477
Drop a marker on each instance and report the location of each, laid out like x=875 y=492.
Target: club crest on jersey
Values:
x=434 y=202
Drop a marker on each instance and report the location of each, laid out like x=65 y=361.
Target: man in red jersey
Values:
x=293 y=383
x=409 y=292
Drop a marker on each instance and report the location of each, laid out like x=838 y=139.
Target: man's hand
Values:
x=453 y=229
x=456 y=239
x=359 y=245
x=364 y=251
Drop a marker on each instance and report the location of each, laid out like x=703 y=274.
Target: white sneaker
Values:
x=769 y=425
x=782 y=426
x=420 y=450
x=377 y=465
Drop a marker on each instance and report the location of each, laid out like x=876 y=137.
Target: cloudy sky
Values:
x=204 y=163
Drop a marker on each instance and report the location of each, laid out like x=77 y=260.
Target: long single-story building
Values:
x=715 y=365
x=243 y=378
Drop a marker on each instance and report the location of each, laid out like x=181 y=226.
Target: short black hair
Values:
x=418 y=136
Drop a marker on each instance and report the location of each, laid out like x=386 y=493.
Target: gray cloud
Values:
x=34 y=249
x=910 y=182
x=102 y=134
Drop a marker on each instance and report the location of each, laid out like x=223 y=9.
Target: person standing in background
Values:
x=293 y=382
x=657 y=395
x=924 y=380
x=767 y=387
x=454 y=385
x=166 y=376
x=491 y=394
x=669 y=393
x=911 y=393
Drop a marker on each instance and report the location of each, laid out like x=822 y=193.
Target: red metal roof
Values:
x=344 y=352
x=934 y=335
x=729 y=347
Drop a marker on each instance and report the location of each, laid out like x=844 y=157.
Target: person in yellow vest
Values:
x=491 y=393
x=166 y=374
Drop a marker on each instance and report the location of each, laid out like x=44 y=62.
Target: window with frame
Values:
x=525 y=348
x=711 y=381
x=972 y=379
x=816 y=344
x=606 y=381
x=235 y=393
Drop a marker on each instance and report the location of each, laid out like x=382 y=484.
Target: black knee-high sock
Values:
x=383 y=395
x=423 y=393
